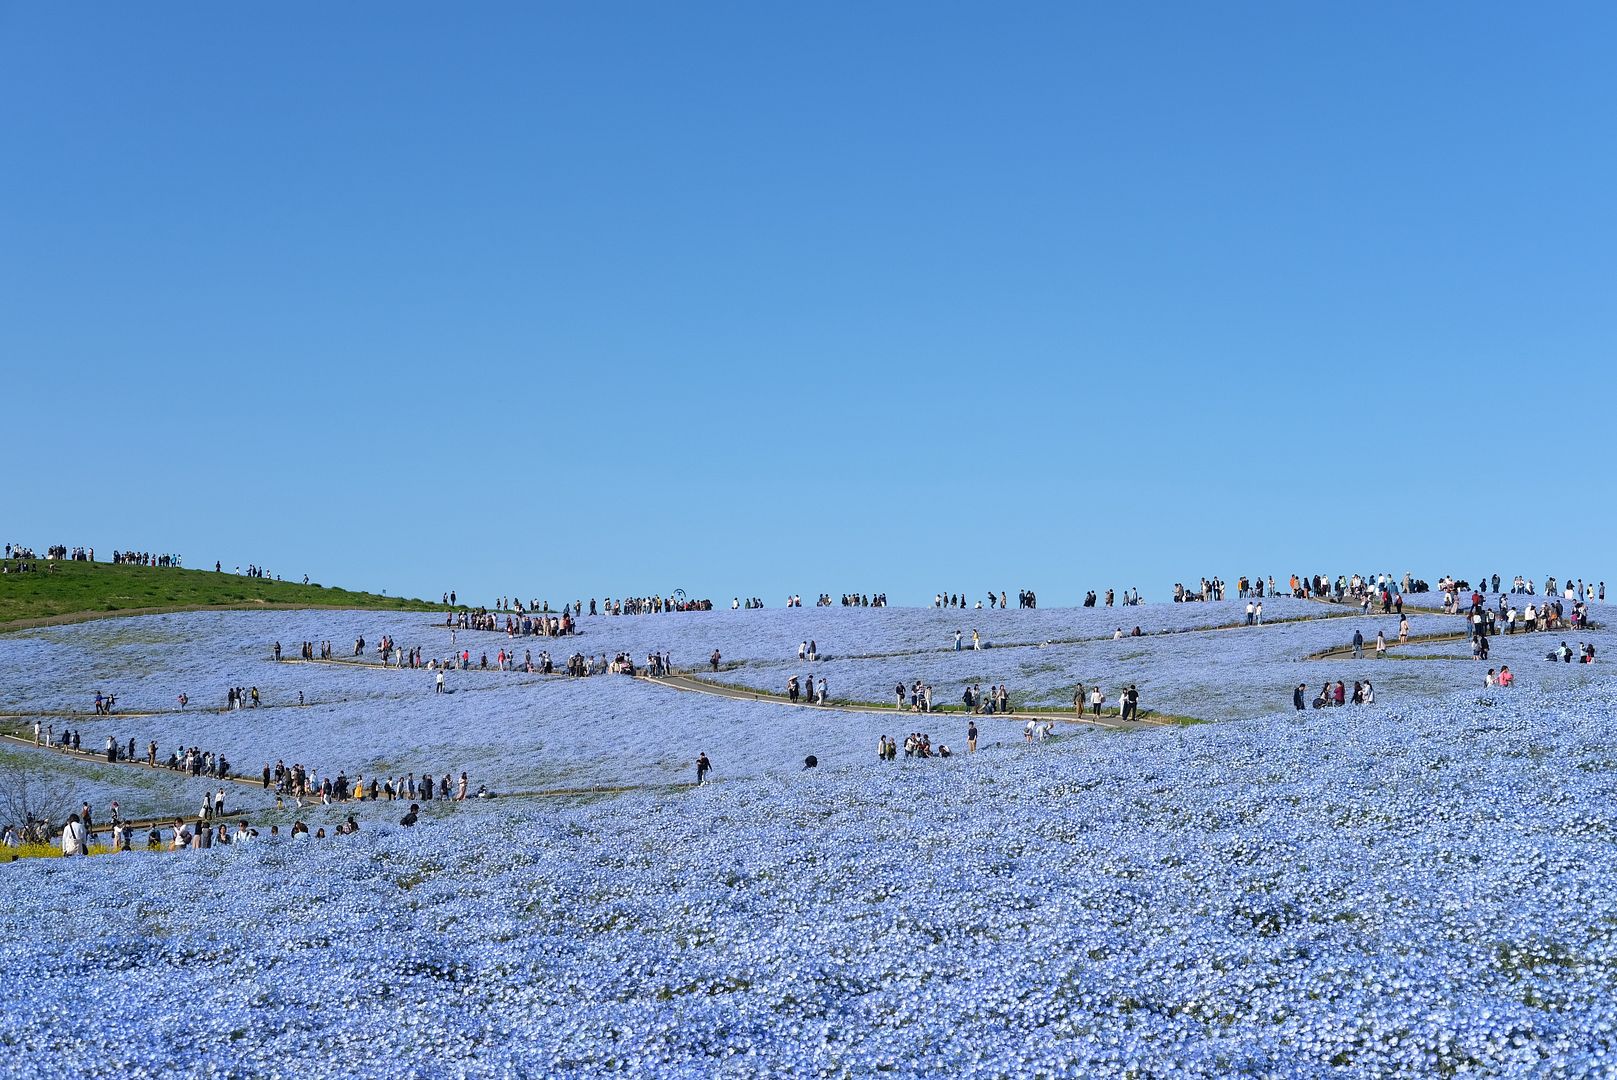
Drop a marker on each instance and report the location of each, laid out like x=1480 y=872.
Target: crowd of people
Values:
x=807 y=690
x=1329 y=696
x=139 y=558
x=1130 y=599
x=64 y=553
x=1093 y=698
x=649 y=605
x=1386 y=588
x=296 y=783
x=306 y=785
x=1025 y=598
x=205 y=832
x=997 y=701
x=1564 y=653
x=523 y=624
x=917 y=744
x=189 y=760
x=919 y=696
x=1210 y=589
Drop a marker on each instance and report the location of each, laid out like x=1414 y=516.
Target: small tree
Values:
x=36 y=805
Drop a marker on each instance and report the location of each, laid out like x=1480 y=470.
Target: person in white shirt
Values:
x=75 y=838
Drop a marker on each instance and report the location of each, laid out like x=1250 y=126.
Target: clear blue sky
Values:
x=606 y=299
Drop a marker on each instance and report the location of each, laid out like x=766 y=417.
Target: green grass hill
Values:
x=59 y=592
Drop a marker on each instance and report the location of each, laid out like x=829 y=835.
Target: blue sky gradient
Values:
x=573 y=300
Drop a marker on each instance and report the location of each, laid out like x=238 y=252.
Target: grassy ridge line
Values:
x=63 y=592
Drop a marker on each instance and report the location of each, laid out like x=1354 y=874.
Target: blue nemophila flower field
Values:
x=1418 y=888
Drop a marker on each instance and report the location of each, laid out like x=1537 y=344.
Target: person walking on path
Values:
x=703 y=767
x=957 y=641
x=1358 y=645
x=1381 y=645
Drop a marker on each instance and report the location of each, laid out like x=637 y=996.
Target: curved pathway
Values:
x=692 y=684
x=1345 y=652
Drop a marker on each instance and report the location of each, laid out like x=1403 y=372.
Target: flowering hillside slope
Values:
x=1425 y=891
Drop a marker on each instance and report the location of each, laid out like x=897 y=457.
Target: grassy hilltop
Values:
x=59 y=592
